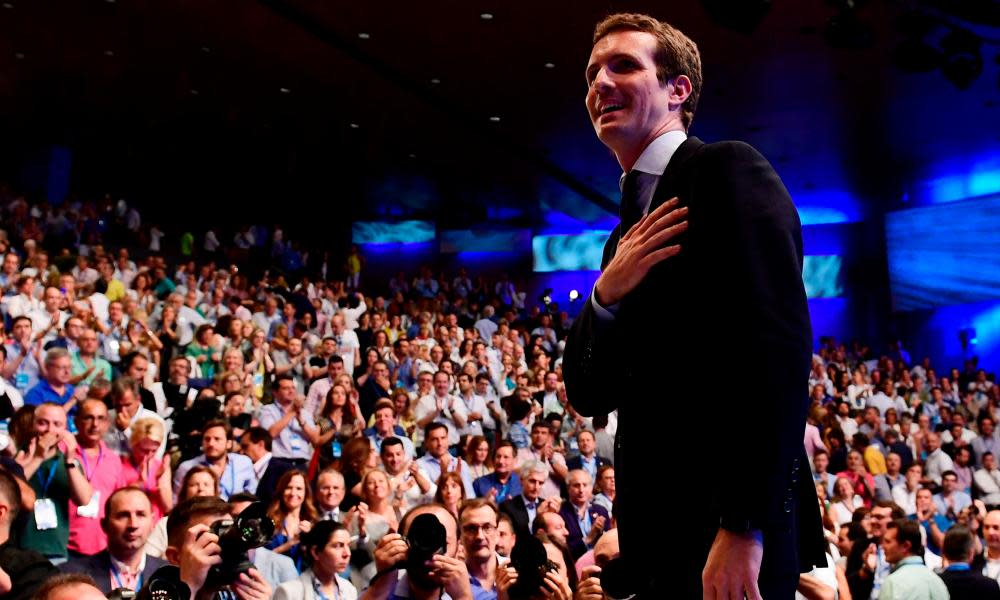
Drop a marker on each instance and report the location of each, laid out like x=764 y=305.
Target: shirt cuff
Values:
x=604 y=313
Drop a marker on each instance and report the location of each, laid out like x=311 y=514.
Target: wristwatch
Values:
x=71 y=463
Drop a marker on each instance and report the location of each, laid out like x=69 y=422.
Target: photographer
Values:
x=195 y=549
x=441 y=574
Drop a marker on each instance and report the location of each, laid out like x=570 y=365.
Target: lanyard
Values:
x=48 y=480
x=118 y=580
x=87 y=471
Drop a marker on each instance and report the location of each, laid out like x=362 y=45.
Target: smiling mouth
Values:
x=610 y=108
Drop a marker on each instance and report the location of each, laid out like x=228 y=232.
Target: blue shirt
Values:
x=483 y=485
x=238 y=475
x=43 y=392
x=291 y=442
x=519 y=436
x=433 y=468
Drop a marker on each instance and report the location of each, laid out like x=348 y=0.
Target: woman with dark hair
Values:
x=337 y=425
x=293 y=514
x=450 y=492
x=327 y=551
x=479 y=456
x=371 y=357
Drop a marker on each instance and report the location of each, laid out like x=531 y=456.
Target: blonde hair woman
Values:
x=144 y=470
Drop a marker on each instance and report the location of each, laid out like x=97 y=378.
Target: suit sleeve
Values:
x=754 y=219
x=593 y=357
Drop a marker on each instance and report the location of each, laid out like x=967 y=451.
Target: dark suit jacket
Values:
x=574 y=539
x=577 y=462
x=514 y=508
x=970 y=585
x=737 y=279
x=98 y=567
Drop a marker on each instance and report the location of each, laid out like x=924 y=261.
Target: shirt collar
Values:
x=655 y=158
x=909 y=560
x=123 y=568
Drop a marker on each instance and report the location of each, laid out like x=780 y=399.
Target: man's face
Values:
x=52 y=299
x=893 y=462
x=60 y=370
x=214 y=443
x=329 y=491
x=532 y=484
x=923 y=499
x=821 y=462
x=482 y=386
x=894 y=552
x=989 y=462
x=627 y=104
x=394 y=458
x=505 y=538
x=115 y=311
x=10 y=263
x=74 y=329
x=294 y=347
x=580 y=488
x=950 y=483
x=179 y=369
x=50 y=419
x=551 y=382
x=92 y=422
x=441 y=384
x=252 y=450
x=464 y=383
x=880 y=515
x=137 y=370
x=586 y=443
x=539 y=436
x=22 y=329
x=286 y=391
x=384 y=421
x=380 y=371
x=479 y=532
x=437 y=442
x=129 y=522
x=555 y=527
x=503 y=460
x=991 y=529
x=933 y=442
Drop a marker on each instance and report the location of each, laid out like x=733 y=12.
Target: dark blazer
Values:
x=577 y=462
x=738 y=278
x=574 y=537
x=98 y=567
x=514 y=508
x=970 y=585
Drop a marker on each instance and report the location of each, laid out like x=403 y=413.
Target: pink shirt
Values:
x=132 y=477
x=105 y=476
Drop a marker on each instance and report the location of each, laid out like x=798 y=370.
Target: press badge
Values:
x=92 y=509
x=296 y=443
x=21 y=381
x=45 y=514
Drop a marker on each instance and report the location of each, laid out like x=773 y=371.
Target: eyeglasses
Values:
x=472 y=529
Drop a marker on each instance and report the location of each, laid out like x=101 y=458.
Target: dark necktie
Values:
x=636 y=195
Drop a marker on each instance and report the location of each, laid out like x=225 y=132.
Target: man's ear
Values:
x=172 y=555
x=682 y=88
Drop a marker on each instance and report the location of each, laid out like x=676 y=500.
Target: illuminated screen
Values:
x=401 y=232
x=944 y=255
x=581 y=252
x=821 y=275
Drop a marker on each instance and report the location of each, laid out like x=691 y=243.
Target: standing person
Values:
x=736 y=274
x=102 y=467
x=910 y=579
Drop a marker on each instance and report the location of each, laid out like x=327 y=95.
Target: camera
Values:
x=532 y=563
x=251 y=529
x=165 y=584
x=426 y=537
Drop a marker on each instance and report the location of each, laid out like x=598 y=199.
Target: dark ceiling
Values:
x=214 y=104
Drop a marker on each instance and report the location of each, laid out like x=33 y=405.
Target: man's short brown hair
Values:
x=676 y=53
x=189 y=510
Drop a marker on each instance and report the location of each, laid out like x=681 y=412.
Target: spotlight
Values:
x=963 y=61
x=574 y=295
x=743 y=17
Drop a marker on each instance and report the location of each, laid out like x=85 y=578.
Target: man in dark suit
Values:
x=127 y=522
x=523 y=508
x=962 y=582
x=709 y=250
x=585 y=521
x=588 y=460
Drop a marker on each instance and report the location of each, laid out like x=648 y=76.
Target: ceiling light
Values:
x=355 y=126
x=206 y=49
x=412 y=155
x=194 y=92
x=8 y=5
x=435 y=81
x=19 y=55
x=109 y=53
x=486 y=16
x=550 y=65
x=285 y=90
x=364 y=36
x=495 y=119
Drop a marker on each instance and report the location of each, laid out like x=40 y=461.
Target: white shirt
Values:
x=653 y=160
x=476 y=403
x=428 y=405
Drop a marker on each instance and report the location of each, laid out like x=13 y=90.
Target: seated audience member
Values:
x=21 y=570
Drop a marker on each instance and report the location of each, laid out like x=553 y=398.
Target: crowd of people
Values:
x=149 y=393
